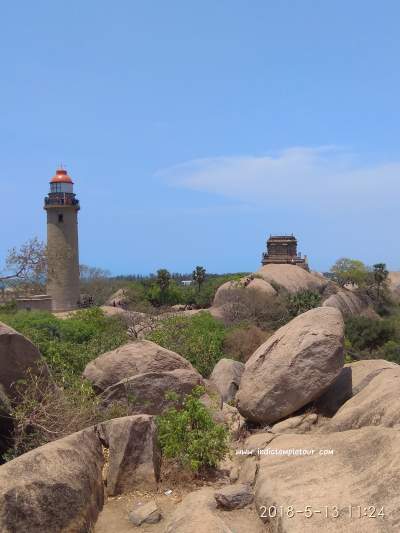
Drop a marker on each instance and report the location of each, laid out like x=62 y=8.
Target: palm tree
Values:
x=163 y=280
x=380 y=276
x=199 y=276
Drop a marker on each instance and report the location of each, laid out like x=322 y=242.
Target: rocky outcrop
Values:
x=296 y=424
x=293 y=367
x=337 y=393
x=240 y=298
x=196 y=514
x=233 y=420
x=226 y=377
x=222 y=296
x=119 y=298
x=349 y=304
x=18 y=356
x=376 y=404
x=6 y=422
x=146 y=393
x=363 y=372
x=351 y=380
x=393 y=284
x=292 y=278
x=363 y=470
x=130 y=360
x=57 y=487
x=234 y=496
x=134 y=454
x=261 y=285
x=148 y=513
x=248 y=471
x=257 y=441
x=110 y=310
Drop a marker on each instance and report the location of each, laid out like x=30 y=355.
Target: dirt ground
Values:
x=114 y=517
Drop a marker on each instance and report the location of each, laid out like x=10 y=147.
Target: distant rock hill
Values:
x=271 y=280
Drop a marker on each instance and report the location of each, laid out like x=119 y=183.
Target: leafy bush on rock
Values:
x=302 y=301
x=198 y=338
x=191 y=436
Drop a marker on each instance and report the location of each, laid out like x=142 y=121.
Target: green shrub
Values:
x=172 y=295
x=302 y=301
x=191 y=436
x=8 y=307
x=391 y=351
x=198 y=338
x=369 y=334
x=69 y=344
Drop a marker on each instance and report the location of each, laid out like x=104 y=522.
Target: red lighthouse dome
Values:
x=61 y=176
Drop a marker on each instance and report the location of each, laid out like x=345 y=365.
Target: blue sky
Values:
x=193 y=130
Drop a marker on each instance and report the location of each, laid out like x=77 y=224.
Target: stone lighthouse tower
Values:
x=62 y=243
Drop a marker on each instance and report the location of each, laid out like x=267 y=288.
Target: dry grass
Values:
x=46 y=412
x=241 y=343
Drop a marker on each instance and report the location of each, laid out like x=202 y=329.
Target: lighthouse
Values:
x=62 y=208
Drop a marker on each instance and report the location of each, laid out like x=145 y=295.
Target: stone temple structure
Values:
x=282 y=249
x=62 y=208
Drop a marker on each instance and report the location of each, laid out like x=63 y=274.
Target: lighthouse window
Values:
x=55 y=187
x=60 y=218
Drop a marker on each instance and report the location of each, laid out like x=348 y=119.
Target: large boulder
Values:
x=261 y=285
x=292 y=278
x=234 y=496
x=134 y=454
x=313 y=488
x=349 y=304
x=363 y=372
x=393 y=283
x=18 y=356
x=351 y=380
x=119 y=298
x=222 y=296
x=56 y=487
x=226 y=376
x=198 y=513
x=293 y=367
x=376 y=404
x=146 y=393
x=238 y=300
x=130 y=360
x=336 y=394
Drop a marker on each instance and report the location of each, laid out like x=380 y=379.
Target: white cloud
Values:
x=323 y=177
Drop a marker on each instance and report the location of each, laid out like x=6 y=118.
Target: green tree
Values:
x=347 y=270
x=199 y=276
x=163 y=281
